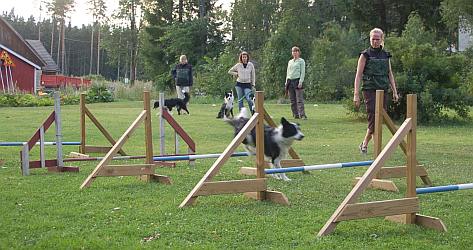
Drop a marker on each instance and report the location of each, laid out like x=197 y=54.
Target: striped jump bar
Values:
x=447 y=188
x=195 y=157
x=318 y=167
x=17 y=143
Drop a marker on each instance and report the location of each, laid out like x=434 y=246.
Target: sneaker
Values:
x=363 y=149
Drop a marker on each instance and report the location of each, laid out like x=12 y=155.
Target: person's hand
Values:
x=395 y=97
x=356 y=101
x=299 y=86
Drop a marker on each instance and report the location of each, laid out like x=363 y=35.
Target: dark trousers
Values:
x=370 y=104
x=297 y=99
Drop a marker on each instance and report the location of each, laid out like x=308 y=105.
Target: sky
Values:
x=80 y=16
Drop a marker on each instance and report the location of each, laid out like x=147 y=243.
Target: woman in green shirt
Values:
x=294 y=79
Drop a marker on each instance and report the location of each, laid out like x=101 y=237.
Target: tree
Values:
x=129 y=10
x=98 y=10
x=58 y=10
x=454 y=10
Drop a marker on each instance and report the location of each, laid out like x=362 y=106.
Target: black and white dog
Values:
x=227 y=106
x=180 y=104
x=277 y=141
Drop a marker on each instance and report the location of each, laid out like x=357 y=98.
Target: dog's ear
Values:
x=284 y=122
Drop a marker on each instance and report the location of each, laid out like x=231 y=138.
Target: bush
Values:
x=99 y=93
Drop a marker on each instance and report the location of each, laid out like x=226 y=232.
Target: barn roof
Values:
x=38 y=46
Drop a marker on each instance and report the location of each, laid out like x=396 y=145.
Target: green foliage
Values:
x=425 y=69
x=213 y=78
x=24 y=100
x=133 y=92
x=333 y=63
x=99 y=93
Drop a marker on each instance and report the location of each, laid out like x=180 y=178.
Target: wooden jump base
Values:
x=84 y=149
x=179 y=132
x=56 y=165
x=146 y=170
x=399 y=210
x=380 y=181
x=253 y=188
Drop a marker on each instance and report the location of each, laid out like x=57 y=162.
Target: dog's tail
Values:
x=242 y=116
x=187 y=97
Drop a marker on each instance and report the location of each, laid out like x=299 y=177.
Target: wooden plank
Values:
x=379 y=184
x=421 y=220
x=63 y=169
x=46 y=124
x=179 y=130
x=378 y=208
x=215 y=168
x=160 y=178
x=47 y=163
x=292 y=163
x=148 y=129
x=232 y=187
x=248 y=171
x=399 y=172
x=368 y=176
x=126 y=170
x=77 y=155
x=378 y=123
x=102 y=129
x=96 y=149
x=108 y=157
x=259 y=130
x=411 y=153
x=273 y=196
x=82 y=123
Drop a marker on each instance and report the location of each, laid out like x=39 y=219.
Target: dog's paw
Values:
x=276 y=176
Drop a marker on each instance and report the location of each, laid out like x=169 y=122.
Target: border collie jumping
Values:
x=180 y=104
x=277 y=141
x=227 y=106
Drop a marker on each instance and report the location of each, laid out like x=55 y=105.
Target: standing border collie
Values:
x=227 y=106
x=180 y=104
x=277 y=141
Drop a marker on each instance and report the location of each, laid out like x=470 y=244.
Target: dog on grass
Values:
x=227 y=106
x=277 y=141
x=179 y=104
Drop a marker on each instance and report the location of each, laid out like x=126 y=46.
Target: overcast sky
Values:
x=80 y=15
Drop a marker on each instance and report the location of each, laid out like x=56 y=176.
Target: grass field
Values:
x=48 y=211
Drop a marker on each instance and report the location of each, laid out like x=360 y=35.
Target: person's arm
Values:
x=253 y=75
x=393 y=83
x=191 y=80
x=359 y=72
x=233 y=70
x=301 y=79
x=287 y=72
x=173 y=73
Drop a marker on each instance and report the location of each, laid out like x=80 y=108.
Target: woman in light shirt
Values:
x=244 y=70
x=294 y=83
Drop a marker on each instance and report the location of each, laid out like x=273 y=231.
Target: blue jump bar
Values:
x=447 y=188
x=195 y=157
x=17 y=143
x=318 y=167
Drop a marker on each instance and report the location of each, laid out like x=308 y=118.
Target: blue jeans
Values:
x=244 y=93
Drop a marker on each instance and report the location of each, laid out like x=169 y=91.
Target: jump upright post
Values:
x=399 y=210
x=253 y=188
x=56 y=165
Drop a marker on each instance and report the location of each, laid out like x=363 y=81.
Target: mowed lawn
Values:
x=49 y=211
